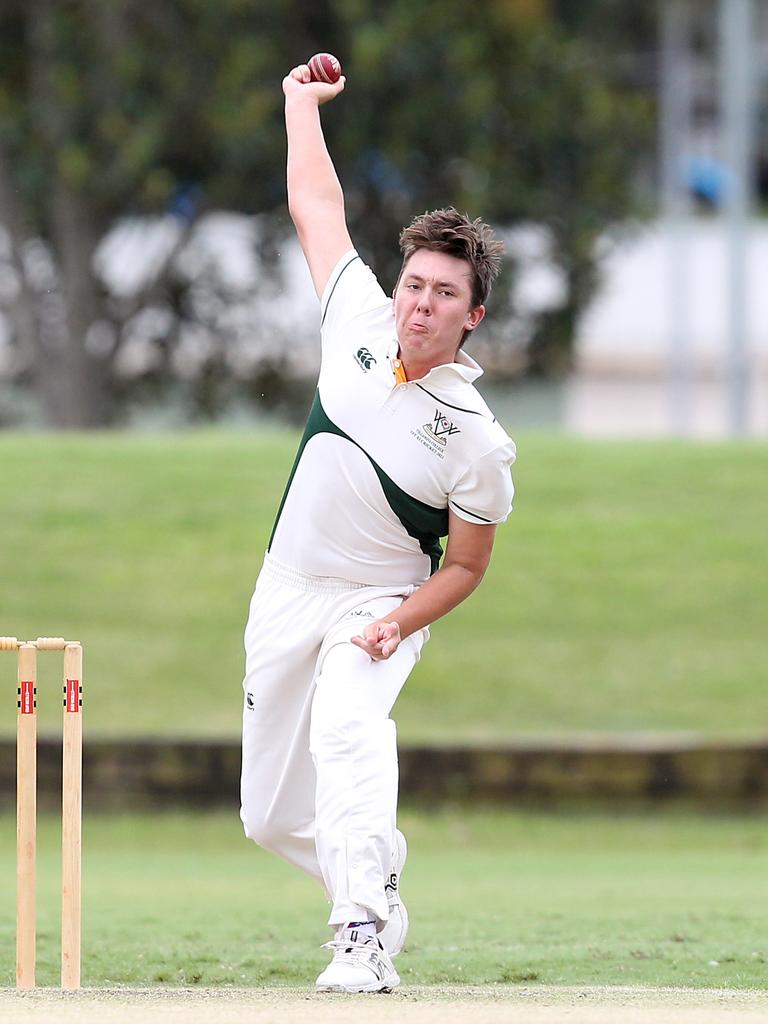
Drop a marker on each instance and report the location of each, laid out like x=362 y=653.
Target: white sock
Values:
x=357 y=931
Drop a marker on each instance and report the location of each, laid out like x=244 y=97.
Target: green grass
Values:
x=518 y=897
x=627 y=592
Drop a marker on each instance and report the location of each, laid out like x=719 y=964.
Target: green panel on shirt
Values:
x=420 y=521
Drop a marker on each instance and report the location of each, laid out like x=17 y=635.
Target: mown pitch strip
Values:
x=494 y=1004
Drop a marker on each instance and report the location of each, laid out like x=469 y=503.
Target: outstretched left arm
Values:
x=466 y=559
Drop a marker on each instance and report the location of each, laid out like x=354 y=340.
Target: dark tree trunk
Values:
x=24 y=308
x=76 y=382
x=72 y=382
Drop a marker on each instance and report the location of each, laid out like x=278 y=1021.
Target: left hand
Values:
x=380 y=640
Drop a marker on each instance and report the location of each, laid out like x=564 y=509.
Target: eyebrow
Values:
x=440 y=284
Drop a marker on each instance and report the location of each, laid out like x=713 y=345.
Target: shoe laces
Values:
x=353 y=953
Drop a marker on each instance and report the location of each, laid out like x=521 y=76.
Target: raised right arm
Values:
x=315 y=197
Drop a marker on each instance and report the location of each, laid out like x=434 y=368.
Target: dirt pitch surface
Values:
x=413 y=1005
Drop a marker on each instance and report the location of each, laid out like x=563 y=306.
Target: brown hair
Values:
x=454 y=233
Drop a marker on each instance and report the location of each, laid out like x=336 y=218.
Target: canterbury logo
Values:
x=365 y=359
x=441 y=428
x=391 y=884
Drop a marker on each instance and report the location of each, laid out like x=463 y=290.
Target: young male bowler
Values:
x=399 y=451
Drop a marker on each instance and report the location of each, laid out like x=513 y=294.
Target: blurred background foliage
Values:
x=524 y=112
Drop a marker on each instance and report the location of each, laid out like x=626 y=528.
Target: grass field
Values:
x=628 y=590
x=518 y=899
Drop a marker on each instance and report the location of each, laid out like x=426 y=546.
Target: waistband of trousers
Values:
x=304 y=581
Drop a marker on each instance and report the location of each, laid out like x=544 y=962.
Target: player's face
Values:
x=433 y=308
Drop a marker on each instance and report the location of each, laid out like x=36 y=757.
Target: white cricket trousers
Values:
x=319 y=773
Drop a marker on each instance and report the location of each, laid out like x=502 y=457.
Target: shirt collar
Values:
x=464 y=367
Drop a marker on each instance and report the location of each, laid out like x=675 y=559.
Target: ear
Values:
x=473 y=318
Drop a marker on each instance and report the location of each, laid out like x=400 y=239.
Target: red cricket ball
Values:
x=324 y=67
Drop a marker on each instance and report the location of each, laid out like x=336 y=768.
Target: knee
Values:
x=341 y=732
x=258 y=825
x=333 y=726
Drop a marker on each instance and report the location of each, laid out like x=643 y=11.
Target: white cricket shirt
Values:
x=381 y=462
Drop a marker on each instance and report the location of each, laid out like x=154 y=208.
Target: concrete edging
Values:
x=156 y=773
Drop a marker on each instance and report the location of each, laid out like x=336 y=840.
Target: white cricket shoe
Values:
x=361 y=966
x=392 y=935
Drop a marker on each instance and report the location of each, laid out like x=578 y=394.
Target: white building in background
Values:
x=623 y=348
x=627 y=327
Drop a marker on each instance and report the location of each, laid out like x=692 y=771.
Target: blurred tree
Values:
x=617 y=29
x=109 y=107
x=506 y=117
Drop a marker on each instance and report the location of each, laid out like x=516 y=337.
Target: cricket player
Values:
x=399 y=450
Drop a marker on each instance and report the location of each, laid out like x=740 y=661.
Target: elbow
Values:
x=477 y=573
x=299 y=214
x=473 y=571
x=308 y=206
x=294 y=206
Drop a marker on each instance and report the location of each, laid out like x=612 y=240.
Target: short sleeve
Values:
x=352 y=289
x=484 y=491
